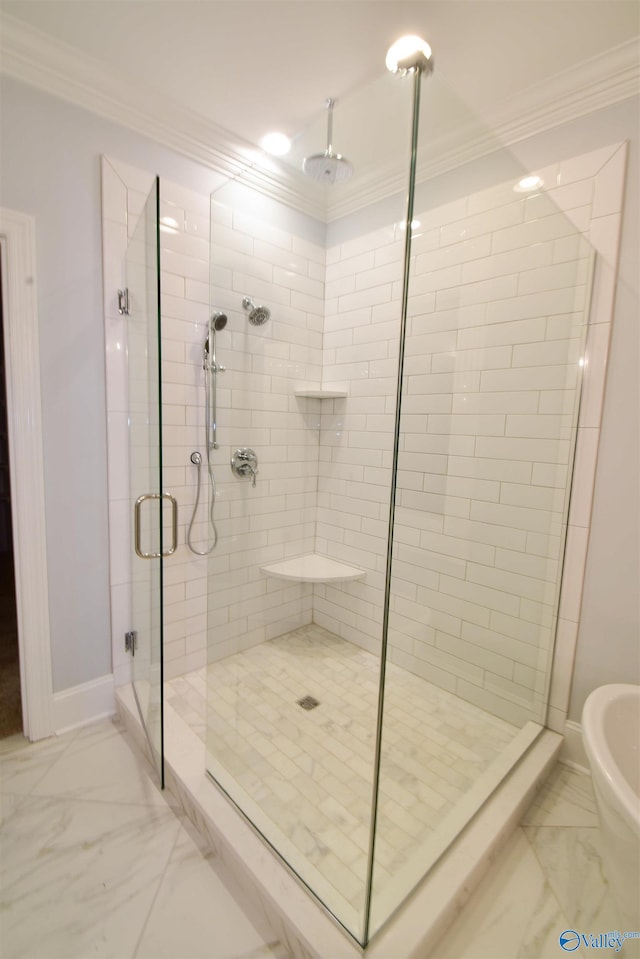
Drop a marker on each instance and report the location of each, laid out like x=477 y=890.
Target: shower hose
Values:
x=196 y=459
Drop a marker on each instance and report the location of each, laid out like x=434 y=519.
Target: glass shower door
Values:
x=148 y=504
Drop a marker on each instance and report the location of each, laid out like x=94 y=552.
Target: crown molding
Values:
x=591 y=85
x=33 y=58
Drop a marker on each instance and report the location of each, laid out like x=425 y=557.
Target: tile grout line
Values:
x=161 y=879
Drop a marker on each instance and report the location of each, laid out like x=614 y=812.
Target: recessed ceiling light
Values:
x=277 y=144
x=528 y=183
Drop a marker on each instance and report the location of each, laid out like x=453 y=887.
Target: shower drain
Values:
x=308 y=702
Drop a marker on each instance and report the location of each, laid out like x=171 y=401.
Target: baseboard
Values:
x=573 y=751
x=83 y=704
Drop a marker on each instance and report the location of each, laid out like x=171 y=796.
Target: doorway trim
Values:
x=22 y=357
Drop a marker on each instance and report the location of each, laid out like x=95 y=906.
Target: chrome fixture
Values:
x=328 y=167
x=196 y=459
x=124 y=302
x=137 y=525
x=211 y=368
x=308 y=702
x=217 y=322
x=257 y=314
x=244 y=462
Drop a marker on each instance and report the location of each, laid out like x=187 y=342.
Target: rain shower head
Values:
x=257 y=314
x=328 y=167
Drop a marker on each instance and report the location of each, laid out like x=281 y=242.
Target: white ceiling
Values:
x=248 y=66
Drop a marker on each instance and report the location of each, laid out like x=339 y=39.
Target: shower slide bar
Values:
x=211 y=368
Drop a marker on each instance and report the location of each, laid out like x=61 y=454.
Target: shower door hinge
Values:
x=131 y=642
x=124 y=302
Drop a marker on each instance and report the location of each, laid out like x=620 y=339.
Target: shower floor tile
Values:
x=305 y=776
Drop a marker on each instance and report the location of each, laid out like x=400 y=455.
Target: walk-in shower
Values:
x=398 y=565
x=366 y=654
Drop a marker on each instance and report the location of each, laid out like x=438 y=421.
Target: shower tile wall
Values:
x=349 y=458
x=498 y=288
x=362 y=321
x=184 y=284
x=258 y=408
x=474 y=567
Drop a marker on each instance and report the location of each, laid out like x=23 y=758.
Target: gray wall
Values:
x=49 y=167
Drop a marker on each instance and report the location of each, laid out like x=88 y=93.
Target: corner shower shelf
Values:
x=320 y=394
x=313 y=568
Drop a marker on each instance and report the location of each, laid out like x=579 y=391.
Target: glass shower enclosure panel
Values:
x=295 y=581
x=412 y=403
x=497 y=312
x=148 y=533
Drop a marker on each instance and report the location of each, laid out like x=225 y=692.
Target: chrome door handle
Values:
x=174 y=525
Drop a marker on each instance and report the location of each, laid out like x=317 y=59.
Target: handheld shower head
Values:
x=257 y=314
x=218 y=321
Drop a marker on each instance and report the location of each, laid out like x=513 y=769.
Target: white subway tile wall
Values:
x=498 y=287
x=490 y=391
x=257 y=408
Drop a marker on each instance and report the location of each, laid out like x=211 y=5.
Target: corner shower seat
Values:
x=319 y=393
x=313 y=568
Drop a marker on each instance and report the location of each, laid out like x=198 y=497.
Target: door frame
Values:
x=24 y=411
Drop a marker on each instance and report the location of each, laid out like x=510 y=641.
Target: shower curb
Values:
x=273 y=893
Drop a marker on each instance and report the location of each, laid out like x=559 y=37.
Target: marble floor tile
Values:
x=194 y=914
x=129 y=879
x=24 y=764
x=565 y=799
x=548 y=879
x=512 y=915
x=85 y=769
x=265 y=751
x=571 y=861
x=68 y=868
x=124 y=876
x=9 y=802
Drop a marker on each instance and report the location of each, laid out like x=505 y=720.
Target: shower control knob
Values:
x=244 y=463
